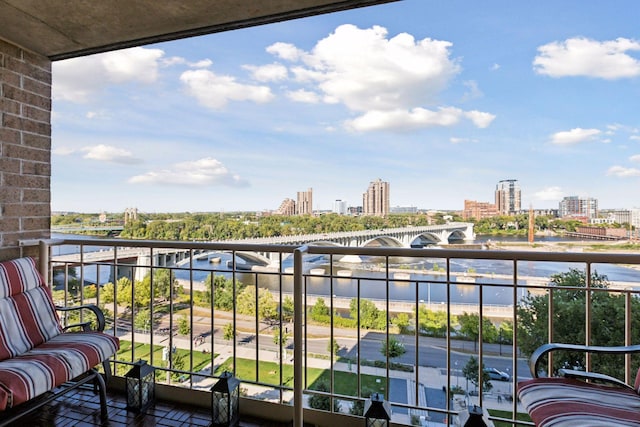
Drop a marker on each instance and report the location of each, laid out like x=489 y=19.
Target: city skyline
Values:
x=443 y=101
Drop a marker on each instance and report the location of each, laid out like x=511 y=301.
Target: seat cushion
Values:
x=25 y=377
x=561 y=402
x=81 y=350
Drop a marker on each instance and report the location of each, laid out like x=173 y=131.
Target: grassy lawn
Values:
x=345 y=382
x=143 y=351
x=507 y=414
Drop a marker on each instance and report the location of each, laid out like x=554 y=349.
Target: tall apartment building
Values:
x=478 y=210
x=508 y=197
x=375 y=202
x=340 y=207
x=304 y=205
x=575 y=206
x=287 y=207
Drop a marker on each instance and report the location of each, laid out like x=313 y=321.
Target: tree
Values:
x=393 y=348
x=569 y=301
x=432 y=323
x=286 y=310
x=322 y=401
x=470 y=371
x=402 y=321
x=370 y=316
x=183 y=325
x=228 y=332
x=333 y=347
x=470 y=328
x=267 y=307
x=319 y=310
x=223 y=291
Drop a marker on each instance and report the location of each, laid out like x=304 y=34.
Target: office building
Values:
x=287 y=207
x=340 y=207
x=478 y=210
x=508 y=197
x=575 y=206
x=304 y=205
x=375 y=202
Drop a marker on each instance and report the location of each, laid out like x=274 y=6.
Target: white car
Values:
x=495 y=374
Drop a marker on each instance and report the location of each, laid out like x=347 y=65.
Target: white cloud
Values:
x=107 y=153
x=268 y=73
x=303 y=96
x=455 y=140
x=77 y=79
x=635 y=158
x=635 y=137
x=285 y=51
x=63 y=151
x=549 y=194
x=178 y=60
x=388 y=80
x=623 y=172
x=214 y=91
x=473 y=91
x=574 y=136
x=584 y=57
x=408 y=120
x=202 y=172
x=495 y=67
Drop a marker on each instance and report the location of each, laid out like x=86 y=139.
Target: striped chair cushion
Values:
x=30 y=375
x=51 y=364
x=18 y=275
x=27 y=313
x=81 y=350
x=564 y=402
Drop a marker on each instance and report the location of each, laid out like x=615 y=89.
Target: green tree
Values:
x=393 y=348
x=403 y=322
x=321 y=401
x=470 y=328
x=223 y=291
x=432 y=323
x=333 y=347
x=370 y=316
x=183 y=325
x=569 y=301
x=228 y=331
x=319 y=310
x=267 y=307
x=142 y=320
x=470 y=371
x=287 y=309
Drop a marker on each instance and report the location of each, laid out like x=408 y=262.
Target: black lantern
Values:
x=141 y=386
x=225 y=401
x=377 y=411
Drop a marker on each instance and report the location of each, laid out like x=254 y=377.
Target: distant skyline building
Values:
x=403 y=210
x=375 y=201
x=508 y=197
x=304 y=205
x=287 y=207
x=340 y=207
x=479 y=210
x=575 y=206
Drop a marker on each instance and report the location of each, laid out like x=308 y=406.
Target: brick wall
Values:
x=25 y=148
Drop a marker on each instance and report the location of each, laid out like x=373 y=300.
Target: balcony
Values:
x=269 y=321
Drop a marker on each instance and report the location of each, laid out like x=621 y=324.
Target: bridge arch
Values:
x=383 y=241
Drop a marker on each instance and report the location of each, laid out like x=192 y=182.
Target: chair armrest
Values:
x=593 y=377
x=85 y=325
x=541 y=351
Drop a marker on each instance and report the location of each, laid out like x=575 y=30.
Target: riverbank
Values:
x=567 y=246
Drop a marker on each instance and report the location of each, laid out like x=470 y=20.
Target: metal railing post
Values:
x=298 y=382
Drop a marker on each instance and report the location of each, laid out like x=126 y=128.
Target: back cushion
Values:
x=27 y=314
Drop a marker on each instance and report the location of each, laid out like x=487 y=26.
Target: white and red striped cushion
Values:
x=27 y=313
x=566 y=402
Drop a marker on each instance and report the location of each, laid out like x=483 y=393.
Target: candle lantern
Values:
x=141 y=386
x=377 y=411
x=225 y=401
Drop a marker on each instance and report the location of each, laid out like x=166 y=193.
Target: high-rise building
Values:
x=340 y=207
x=304 y=205
x=575 y=206
x=508 y=197
x=375 y=202
x=287 y=207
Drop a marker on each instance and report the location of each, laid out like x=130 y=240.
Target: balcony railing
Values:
x=326 y=326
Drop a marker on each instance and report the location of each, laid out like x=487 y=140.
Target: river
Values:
x=372 y=284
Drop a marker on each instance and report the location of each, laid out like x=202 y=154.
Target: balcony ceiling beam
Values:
x=66 y=29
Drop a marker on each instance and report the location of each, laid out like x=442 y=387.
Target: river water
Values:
x=372 y=284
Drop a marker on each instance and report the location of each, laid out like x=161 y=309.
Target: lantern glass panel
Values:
x=221 y=408
x=374 y=422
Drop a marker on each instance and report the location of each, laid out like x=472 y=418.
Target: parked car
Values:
x=495 y=374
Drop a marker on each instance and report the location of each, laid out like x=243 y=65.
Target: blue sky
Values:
x=442 y=99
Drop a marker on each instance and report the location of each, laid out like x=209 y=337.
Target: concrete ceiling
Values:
x=62 y=29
